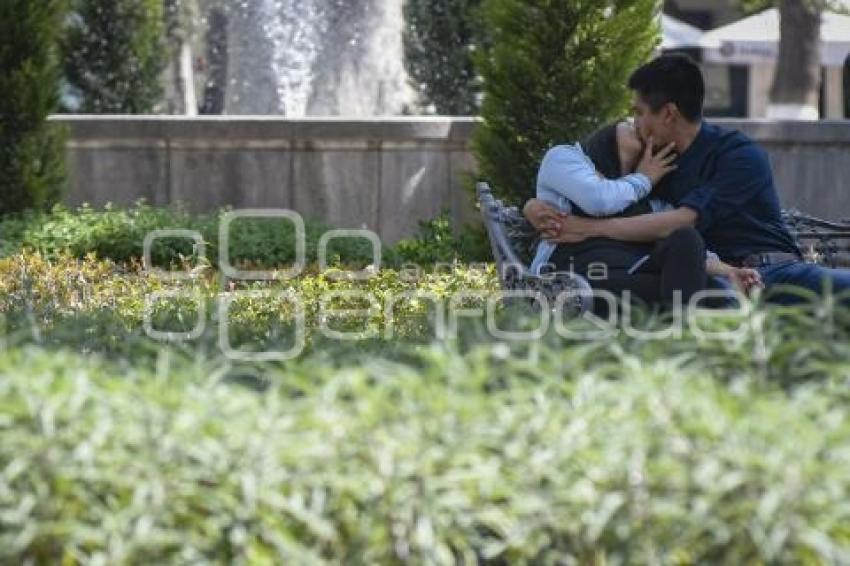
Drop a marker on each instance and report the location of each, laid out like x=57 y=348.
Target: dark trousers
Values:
x=676 y=263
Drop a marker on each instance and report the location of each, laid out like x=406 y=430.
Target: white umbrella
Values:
x=756 y=40
x=676 y=34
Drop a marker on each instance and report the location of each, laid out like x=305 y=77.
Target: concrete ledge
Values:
x=384 y=174
x=266 y=127
x=791 y=132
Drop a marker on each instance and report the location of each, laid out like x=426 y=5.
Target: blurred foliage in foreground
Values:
x=621 y=452
x=624 y=449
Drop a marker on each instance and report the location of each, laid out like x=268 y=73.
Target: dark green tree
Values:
x=32 y=164
x=555 y=70
x=440 y=37
x=115 y=55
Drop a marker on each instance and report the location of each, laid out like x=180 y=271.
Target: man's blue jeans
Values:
x=807 y=275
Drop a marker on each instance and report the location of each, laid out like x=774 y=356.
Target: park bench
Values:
x=514 y=240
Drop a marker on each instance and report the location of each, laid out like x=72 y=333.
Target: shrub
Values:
x=117 y=233
x=554 y=71
x=115 y=55
x=440 y=37
x=436 y=242
x=32 y=166
x=624 y=451
x=573 y=456
x=91 y=304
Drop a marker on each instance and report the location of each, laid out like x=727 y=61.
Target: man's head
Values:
x=668 y=96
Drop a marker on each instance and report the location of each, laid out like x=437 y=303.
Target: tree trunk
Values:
x=185 y=80
x=796 y=84
x=180 y=90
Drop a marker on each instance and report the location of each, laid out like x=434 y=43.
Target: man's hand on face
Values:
x=545 y=218
x=656 y=164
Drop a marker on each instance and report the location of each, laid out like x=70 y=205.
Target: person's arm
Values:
x=566 y=171
x=643 y=228
x=739 y=175
x=744 y=279
x=715 y=266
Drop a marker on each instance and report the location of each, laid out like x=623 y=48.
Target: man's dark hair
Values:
x=671 y=78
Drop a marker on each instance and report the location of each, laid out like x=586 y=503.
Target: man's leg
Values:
x=806 y=275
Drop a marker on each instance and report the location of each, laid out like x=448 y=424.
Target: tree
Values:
x=440 y=37
x=180 y=16
x=115 y=55
x=556 y=69
x=796 y=82
x=32 y=166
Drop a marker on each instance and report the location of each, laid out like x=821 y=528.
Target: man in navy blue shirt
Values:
x=723 y=185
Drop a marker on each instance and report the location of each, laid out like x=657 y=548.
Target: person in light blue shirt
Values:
x=568 y=178
x=595 y=178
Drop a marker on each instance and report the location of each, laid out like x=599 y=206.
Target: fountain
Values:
x=315 y=58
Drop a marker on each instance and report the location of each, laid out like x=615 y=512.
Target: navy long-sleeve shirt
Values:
x=726 y=178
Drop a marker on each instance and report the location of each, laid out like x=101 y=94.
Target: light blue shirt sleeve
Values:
x=567 y=172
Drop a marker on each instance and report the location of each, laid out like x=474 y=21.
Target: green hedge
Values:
x=117 y=234
x=582 y=455
x=95 y=305
x=622 y=451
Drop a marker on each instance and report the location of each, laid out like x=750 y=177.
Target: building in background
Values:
x=738 y=55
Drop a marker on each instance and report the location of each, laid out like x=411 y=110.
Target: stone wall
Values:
x=381 y=174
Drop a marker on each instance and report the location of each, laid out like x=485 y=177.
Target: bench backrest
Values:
x=512 y=238
x=824 y=241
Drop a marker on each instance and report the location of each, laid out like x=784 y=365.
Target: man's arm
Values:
x=643 y=228
x=740 y=175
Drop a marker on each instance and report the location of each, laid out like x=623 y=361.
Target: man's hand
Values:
x=545 y=218
x=657 y=165
x=746 y=280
